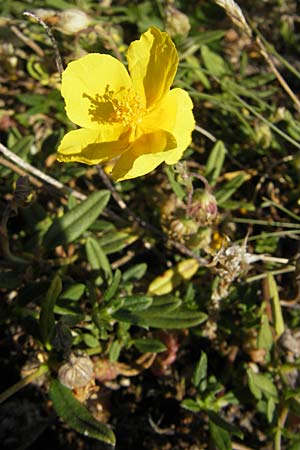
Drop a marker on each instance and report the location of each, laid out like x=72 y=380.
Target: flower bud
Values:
x=177 y=23
x=181 y=227
x=73 y=20
x=263 y=135
x=204 y=207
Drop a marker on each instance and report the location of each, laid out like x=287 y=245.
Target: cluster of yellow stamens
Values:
x=123 y=106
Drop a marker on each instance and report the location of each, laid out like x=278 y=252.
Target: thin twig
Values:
x=58 y=60
x=19 y=171
x=236 y=15
x=33 y=45
x=38 y=173
x=114 y=193
x=206 y=133
x=281 y=80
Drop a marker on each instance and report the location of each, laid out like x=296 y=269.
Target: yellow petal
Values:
x=85 y=81
x=144 y=155
x=174 y=114
x=87 y=146
x=152 y=63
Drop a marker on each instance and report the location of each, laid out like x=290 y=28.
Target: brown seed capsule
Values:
x=78 y=372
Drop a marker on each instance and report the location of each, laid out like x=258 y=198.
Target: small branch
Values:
x=206 y=133
x=122 y=205
x=35 y=47
x=281 y=80
x=20 y=172
x=58 y=59
x=38 y=173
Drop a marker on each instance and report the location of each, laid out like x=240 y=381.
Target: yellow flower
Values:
x=134 y=121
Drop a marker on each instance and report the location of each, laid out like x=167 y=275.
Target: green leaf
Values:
x=215 y=162
x=261 y=386
x=135 y=272
x=276 y=307
x=22 y=146
x=97 y=258
x=115 y=241
x=114 y=351
x=77 y=416
x=265 y=338
x=220 y=436
x=177 y=188
x=149 y=345
x=180 y=318
x=214 y=63
x=74 y=222
x=73 y=292
x=229 y=188
x=137 y=302
x=90 y=340
x=167 y=303
x=199 y=379
x=163 y=313
x=271 y=405
x=190 y=405
x=47 y=320
x=110 y=292
x=217 y=420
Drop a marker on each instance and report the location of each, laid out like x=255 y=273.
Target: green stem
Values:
x=282 y=208
x=280 y=425
x=265 y=222
x=22 y=383
x=272 y=272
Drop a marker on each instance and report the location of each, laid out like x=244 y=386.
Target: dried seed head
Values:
x=77 y=372
x=229 y=263
x=236 y=15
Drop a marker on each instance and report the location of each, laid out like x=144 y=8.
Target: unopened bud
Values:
x=182 y=227
x=73 y=20
x=204 y=207
x=177 y=23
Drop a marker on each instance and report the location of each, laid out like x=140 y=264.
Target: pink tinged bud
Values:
x=204 y=207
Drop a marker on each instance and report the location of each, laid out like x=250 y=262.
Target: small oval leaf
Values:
x=171 y=278
x=149 y=345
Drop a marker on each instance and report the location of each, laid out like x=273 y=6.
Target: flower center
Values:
x=117 y=107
